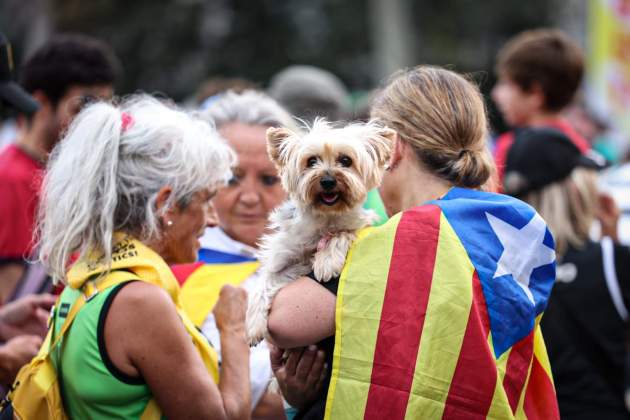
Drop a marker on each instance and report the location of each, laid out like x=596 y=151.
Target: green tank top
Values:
x=92 y=387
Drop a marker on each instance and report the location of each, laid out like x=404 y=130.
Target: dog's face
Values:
x=330 y=170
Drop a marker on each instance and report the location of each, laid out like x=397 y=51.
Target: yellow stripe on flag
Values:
x=520 y=408
x=201 y=290
x=540 y=350
x=353 y=361
x=445 y=324
x=500 y=406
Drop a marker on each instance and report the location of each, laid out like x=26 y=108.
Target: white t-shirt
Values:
x=259 y=363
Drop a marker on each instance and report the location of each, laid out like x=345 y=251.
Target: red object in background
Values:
x=504 y=142
x=183 y=271
x=20 y=183
x=58 y=289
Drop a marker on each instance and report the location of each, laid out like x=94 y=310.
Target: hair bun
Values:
x=470 y=169
x=442 y=116
x=464 y=152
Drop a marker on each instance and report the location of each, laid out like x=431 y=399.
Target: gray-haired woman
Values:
x=228 y=250
x=128 y=191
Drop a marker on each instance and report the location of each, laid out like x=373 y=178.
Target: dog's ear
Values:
x=276 y=139
x=381 y=144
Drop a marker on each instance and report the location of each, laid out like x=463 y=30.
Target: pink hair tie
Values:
x=127 y=122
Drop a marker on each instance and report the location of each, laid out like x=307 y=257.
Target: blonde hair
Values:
x=442 y=116
x=569 y=207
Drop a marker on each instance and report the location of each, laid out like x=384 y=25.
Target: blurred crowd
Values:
x=559 y=156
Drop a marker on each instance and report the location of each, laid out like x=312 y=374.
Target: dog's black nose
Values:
x=328 y=182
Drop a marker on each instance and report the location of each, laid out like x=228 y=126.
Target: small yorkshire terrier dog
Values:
x=327 y=174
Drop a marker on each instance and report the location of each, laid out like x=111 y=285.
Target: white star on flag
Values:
x=523 y=250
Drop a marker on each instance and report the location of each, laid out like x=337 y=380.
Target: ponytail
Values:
x=104 y=176
x=79 y=190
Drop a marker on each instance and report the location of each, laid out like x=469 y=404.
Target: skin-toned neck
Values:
x=421 y=186
x=409 y=183
x=33 y=139
x=158 y=247
x=542 y=117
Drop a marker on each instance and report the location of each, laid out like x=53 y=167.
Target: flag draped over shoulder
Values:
x=202 y=281
x=438 y=315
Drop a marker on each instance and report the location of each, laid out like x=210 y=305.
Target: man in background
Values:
x=23 y=323
x=62 y=76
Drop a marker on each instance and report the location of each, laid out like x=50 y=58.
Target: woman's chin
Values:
x=249 y=235
x=192 y=255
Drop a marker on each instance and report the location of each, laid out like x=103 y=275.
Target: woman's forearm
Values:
x=234 y=382
x=302 y=313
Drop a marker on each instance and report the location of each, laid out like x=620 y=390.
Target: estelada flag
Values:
x=201 y=282
x=438 y=315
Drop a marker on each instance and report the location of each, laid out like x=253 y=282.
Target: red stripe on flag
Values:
x=475 y=378
x=479 y=304
x=402 y=316
x=517 y=368
x=183 y=271
x=540 y=397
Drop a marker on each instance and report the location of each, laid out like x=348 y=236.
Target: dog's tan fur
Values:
x=355 y=157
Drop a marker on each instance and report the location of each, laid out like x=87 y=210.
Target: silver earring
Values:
x=169 y=223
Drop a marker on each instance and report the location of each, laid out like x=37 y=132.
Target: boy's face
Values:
x=518 y=107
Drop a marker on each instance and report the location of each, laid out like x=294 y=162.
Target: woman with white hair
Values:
x=128 y=192
x=228 y=251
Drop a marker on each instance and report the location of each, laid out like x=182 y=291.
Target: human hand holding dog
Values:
x=301 y=376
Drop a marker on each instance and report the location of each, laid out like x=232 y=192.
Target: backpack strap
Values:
x=90 y=289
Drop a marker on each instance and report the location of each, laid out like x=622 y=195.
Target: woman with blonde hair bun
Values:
x=436 y=313
x=127 y=192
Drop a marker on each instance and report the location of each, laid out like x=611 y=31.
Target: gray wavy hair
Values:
x=104 y=177
x=250 y=107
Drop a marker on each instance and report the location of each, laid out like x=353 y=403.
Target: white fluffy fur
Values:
x=291 y=251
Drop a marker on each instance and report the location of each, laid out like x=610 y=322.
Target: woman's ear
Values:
x=161 y=201
x=399 y=148
x=537 y=95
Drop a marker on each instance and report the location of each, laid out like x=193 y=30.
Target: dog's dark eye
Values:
x=312 y=161
x=345 y=161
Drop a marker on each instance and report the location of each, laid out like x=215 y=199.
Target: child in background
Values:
x=539 y=72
